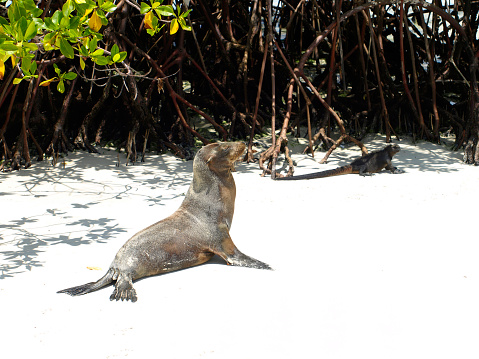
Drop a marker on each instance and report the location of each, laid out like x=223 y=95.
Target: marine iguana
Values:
x=365 y=165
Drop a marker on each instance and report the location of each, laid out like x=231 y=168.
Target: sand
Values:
x=365 y=267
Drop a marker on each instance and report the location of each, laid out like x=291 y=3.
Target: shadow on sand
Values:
x=91 y=180
x=86 y=181
x=424 y=156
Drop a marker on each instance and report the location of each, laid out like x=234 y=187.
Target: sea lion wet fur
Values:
x=192 y=235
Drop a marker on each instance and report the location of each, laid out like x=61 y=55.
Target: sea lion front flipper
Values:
x=124 y=289
x=235 y=257
x=242 y=260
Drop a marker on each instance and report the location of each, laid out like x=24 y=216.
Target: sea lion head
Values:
x=219 y=157
x=214 y=163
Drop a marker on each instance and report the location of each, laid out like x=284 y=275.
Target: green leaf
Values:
x=74 y=22
x=92 y=44
x=97 y=52
x=26 y=64
x=70 y=76
x=101 y=60
x=101 y=14
x=30 y=46
x=123 y=55
x=8 y=29
x=114 y=50
x=115 y=58
x=28 y=77
x=66 y=49
x=183 y=25
x=48 y=47
x=31 y=31
x=108 y=6
x=8 y=46
x=57 y=17
x=3 y=21
x=185 y=14
x=74 y=35
x=48 y=40
x=82 y=7
x=23 y=23
x=15 y=11
x=61 y=86
x=21 y=28
x=65 y=23
x=144 y=8
x=91 y=4
x=33 y=67
x=37 y=12
x=83 y=51
x=50 y=25
x=17 y=80
x=38 y=22
x=67 y=8
x=32 y=9
x=57 y=70
x=82 y=63
x=165 y=10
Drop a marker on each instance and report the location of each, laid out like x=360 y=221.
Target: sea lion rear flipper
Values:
x=90 y=287
x=124 y=289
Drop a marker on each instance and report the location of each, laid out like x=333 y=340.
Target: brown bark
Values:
x=59 y=140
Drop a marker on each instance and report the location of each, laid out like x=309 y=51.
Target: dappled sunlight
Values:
x=83 y=173
x=57 y=205
x=22 y=241
x=423 y=156
x=88 y=199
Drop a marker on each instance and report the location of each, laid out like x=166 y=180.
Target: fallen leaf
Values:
x=93 y=268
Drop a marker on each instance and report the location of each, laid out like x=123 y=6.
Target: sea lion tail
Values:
x=90 y=287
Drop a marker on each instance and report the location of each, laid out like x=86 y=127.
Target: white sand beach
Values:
x=385 y=266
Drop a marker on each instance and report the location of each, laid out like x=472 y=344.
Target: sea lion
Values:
x=192 y=235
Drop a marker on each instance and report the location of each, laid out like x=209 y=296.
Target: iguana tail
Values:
x=90 y=287
x=329 y=173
